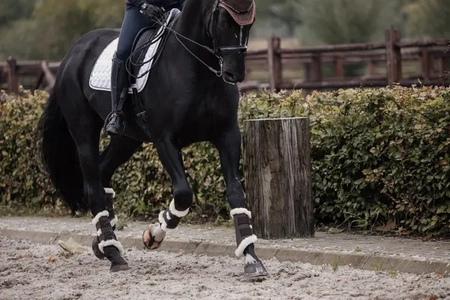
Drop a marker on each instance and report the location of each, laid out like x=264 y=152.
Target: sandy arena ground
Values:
x=35 y=271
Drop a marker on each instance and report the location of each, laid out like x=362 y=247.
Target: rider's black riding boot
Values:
x=115 y=122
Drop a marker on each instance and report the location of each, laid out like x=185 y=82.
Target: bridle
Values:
x=217 y=50
x=230 y=50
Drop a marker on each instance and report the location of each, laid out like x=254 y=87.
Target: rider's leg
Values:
x=133 y=22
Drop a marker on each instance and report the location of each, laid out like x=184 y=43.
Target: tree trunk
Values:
x=277 y=170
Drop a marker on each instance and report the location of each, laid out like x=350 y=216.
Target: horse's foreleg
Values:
x=170 y=157
x=229 y=148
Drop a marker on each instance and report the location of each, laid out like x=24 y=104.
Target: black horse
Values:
x=184 y=102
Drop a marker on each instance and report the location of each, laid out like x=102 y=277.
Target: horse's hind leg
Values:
x=170 y=156
x=229 y=149
x=85 y=127
x=119 y=151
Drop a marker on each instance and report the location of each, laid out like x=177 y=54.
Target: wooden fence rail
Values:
x=393 y=61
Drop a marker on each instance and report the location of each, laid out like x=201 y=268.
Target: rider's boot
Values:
x=115 y=122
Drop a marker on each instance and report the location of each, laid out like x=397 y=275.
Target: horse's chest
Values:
x=203 y=121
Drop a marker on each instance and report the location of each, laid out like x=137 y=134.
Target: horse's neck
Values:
x=191 y=25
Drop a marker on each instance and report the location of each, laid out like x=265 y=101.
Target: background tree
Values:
x=46 y=29
x=428 y=18
x=347 y=21
x=12 y=10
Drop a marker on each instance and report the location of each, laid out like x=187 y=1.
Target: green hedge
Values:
x=379 y=156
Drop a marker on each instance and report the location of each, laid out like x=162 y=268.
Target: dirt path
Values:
x=34 y=271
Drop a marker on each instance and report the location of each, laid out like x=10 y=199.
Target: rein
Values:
x=219 y=72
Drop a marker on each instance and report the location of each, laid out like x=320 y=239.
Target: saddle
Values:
x=147 y=46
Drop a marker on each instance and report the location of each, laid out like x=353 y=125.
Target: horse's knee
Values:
x=183 y=198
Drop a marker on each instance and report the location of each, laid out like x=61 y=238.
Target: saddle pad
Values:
x=100 y=78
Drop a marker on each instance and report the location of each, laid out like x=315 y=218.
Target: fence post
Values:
x=371 y=67
x=275 y=65
x=393 y=57
x=277 y=171
x=307 y=67
x=316 y=70
x=13 y=79
x=339 y=66
x=441 y=66
x=425 y=63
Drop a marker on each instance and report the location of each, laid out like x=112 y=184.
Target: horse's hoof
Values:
x=153 y=236
x=255 y=270
x=99 y=254
x=118 y=263
x=119 y=267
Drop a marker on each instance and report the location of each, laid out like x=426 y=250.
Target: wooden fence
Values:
x=31 y=74
x=380 y=64
x=393 y=61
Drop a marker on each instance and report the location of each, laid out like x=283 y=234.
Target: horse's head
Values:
x=229 y=27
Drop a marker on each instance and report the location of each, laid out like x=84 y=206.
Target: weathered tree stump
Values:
x=277 y=171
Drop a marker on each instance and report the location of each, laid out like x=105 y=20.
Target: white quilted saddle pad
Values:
x=100 y=78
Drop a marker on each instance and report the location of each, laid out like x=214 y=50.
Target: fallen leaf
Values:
x=71 y=246
x=333 y=230
x=26 y=255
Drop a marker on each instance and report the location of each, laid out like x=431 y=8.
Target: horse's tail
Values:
x=60 y=157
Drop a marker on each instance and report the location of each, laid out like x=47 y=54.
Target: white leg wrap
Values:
x=163 y=222
x=114 y=243
x=104 y=213
x=244 y=243
x=114 y=221
x=176 y=212
x=110 y=191
x=238 y=211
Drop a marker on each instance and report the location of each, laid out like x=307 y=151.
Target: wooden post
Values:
x=371 y=67
x=13 y=79
x=393 y=57
x=39 y=80
x=277 y=170
x=425 y=63
x=275 y=65
x=307 y=72
x=339 y=66
x=441 y=66
x=316 y=70
x=49 y=77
